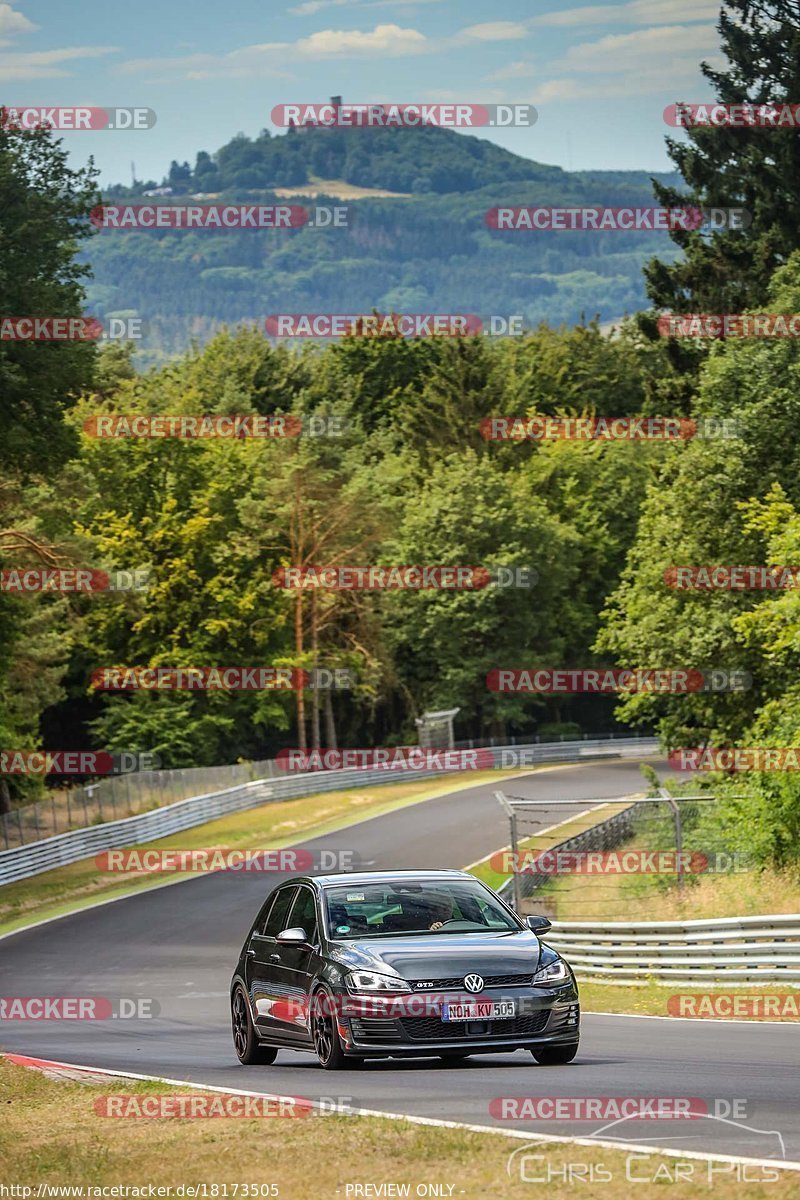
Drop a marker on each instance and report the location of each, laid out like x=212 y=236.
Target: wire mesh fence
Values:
x=602 y=863
x=128 y=795
x=120 y=796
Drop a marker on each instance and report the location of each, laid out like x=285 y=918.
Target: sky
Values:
x=600 y=75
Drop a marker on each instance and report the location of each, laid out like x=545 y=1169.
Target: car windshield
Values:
x=408 y=909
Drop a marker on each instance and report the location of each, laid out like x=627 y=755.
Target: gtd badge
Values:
x=473 y=983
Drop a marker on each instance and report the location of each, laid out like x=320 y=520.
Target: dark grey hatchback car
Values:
x=399 y=964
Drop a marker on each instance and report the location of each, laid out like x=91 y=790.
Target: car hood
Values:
x=443 y=955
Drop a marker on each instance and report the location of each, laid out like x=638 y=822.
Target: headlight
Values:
x=553 y=973
x=371 y=981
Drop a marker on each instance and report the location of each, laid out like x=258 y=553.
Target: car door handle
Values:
x=251 y=952
x=274 y=957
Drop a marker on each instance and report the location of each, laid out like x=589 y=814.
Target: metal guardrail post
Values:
x=676 y=814
x=512 y=816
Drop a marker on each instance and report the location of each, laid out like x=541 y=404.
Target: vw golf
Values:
x=399 y=964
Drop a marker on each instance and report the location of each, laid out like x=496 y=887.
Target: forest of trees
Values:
x=412 y=161
x=409 y=479
x=429 y=252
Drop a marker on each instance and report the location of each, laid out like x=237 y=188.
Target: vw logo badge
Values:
x=473 y=983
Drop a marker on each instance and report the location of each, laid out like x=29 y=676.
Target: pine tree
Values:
x=757 y=169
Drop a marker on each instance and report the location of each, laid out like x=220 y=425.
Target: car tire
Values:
x=325 y=1035
x=553 y=1056
x=247 y=1046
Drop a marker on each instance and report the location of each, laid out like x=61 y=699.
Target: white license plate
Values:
x=479 y=1010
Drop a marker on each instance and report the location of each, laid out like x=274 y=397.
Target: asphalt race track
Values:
x=178 y=945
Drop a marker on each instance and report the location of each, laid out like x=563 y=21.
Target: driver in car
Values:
x=442 y=911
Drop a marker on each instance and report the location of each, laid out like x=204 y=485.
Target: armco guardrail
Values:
x=133 y=792
x=733 y=950
x=35 y=857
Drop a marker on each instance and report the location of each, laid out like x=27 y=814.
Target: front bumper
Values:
x=543 y=1017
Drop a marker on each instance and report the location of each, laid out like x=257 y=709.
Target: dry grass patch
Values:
x=51 y=1134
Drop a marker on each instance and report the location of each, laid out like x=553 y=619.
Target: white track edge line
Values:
x=588 y=1012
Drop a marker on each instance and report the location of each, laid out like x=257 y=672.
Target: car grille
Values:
x=457 y=981
x=434 y=1029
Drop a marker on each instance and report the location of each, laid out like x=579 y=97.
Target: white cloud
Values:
x=310 y=7
x=637 y=12
x=389 y=40
x=47 y=64
x=238 y=64
x=633 y=64
x=13 y=23
x=493 y=31
x=314 y=6
x=515 y=70
x=37 y=64
x=642 y=50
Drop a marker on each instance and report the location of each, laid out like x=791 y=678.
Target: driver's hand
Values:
x=437 y=924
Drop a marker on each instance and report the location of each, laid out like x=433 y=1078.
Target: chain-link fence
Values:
x=605 y=861
x=121 y=796
x=128 y=795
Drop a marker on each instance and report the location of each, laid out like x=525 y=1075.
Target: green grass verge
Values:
x=692 y=1000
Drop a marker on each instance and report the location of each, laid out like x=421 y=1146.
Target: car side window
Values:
x=276 y=920
x=304 y=913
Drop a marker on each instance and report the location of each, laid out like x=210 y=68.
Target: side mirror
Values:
x=538 y=924
x=292 y=937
